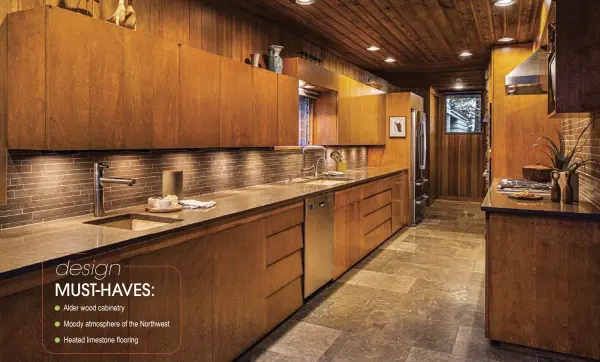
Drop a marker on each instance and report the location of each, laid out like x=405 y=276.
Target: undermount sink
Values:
x=325 y=181
x=134 y=222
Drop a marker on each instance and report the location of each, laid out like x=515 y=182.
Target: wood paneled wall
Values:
x=461 y=162
x=396 y=152
x=216 y=26
x=517 y=121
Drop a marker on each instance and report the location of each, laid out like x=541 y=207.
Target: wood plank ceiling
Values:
x=424 y=36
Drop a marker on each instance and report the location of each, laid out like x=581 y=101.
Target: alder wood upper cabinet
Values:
x=288 y=128
x=236 y=104
x=264 y=107
x=26 y=74
x=200 y=86
x=66 y=82
x=151 y=92
x=361 y=114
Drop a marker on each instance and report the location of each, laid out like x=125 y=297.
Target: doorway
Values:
x=461 y=161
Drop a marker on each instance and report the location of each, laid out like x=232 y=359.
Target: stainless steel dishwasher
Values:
x=318 y=242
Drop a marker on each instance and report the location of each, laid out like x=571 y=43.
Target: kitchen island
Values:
x=239 y=267
x=543 y=274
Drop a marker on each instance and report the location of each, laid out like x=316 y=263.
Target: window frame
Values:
x=445 y=125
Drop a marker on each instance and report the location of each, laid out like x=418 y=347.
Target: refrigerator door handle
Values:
x=423 y=142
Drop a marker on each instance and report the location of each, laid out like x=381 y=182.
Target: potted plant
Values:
x=563 y=161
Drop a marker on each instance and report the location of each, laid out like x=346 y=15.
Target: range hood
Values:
x=530 y=77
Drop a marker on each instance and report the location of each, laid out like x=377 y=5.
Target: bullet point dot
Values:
x=57 y=308
x=57 y=324
x=56 y=340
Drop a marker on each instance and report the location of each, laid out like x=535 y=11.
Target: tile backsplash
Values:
x=50 y=186
x=589 y=177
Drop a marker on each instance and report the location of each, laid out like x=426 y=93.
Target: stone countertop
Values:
x=25 y=248
x=499 y=202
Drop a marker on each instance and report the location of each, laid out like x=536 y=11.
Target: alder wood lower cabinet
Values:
x=238 y=280
x=400 y=201
x=543 y=282
x=366 y=216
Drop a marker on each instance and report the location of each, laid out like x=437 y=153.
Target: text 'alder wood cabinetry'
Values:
x=118 y=89
x=365 y=216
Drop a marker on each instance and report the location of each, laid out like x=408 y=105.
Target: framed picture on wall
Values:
x=397 y=127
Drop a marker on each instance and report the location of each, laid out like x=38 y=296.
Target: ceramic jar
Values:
x=275 y=60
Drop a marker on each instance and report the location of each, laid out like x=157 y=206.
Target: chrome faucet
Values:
x=99 y=181
x=314 y=167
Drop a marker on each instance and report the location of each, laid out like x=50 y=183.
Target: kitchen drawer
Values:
x=285 y=219
x=284 y=271
x=348 y=196
x=376 y=187
x=378 y=236
x=376 y=202
x=284 y=243
x=284 y=302
x=373 y=220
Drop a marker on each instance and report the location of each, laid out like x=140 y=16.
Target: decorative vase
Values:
x=574 y=182
x=275 y=61
x=567 y=190
x=255 y=59
x=555 y=189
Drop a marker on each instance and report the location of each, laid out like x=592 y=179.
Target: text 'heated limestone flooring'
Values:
x=419 y=297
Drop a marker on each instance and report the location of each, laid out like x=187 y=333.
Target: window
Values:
x=463 y=113
x=305 y=115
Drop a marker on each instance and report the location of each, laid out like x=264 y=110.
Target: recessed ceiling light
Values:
x=305 y=2
x=506 y=39
x=459 y=86
x=503 y=3
x=373 y=48
x=465 y=54
x=389 y=60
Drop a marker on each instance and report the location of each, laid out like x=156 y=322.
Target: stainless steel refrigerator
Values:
x=418 y=148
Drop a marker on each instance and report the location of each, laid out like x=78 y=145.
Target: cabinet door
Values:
x=239 y=292
x=107 y=78
x=400 y=202
x=26 y=85
x=236 y=104
x=287 y=111
x=344 y=110
x=347 y=230
x=151 y=92
x=21 y=317
x=264 y=107
x=68 y=80
x=194 y=261
x=200 y=84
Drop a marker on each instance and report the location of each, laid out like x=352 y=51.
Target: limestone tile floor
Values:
x=419 y=297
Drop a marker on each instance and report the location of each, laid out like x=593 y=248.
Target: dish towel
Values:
x=195 y=204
